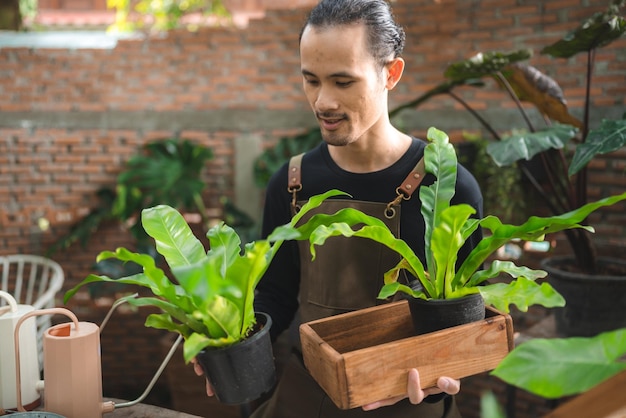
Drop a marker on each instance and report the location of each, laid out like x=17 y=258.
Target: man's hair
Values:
x=386 y=38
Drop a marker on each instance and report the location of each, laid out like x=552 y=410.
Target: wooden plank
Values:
x=606 y=400
x=365 y=328
x=373 y=349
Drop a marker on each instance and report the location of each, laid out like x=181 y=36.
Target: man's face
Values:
x=342 y=82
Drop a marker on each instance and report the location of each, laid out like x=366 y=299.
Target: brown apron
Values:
x=344 y=277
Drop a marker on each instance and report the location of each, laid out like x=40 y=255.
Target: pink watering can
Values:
x=72 y=367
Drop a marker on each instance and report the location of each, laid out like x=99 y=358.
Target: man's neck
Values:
x=371 y=154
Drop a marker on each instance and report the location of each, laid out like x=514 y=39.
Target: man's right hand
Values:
x=198 y=369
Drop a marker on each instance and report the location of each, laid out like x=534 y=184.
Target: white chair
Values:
x=32 y=280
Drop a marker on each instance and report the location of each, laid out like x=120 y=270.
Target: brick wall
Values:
x=70 y=118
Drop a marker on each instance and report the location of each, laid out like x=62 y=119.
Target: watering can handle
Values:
x=11 y=300
x=18 y=377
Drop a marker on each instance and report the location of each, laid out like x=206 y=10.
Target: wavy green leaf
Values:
x=523 y=293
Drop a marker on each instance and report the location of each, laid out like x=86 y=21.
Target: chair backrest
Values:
x=32 y=280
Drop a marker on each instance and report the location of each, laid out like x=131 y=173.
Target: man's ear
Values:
x=395 y=68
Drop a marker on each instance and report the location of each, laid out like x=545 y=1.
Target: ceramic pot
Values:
x=434 y=315
x=242 y=372
x=594 y=303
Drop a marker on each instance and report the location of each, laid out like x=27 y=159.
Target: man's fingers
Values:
x=198 y=369
x=448 y=385
x=414 y=388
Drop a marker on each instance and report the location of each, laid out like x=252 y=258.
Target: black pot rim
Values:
x=549 y=264
x=448 y=301
x=249 y=340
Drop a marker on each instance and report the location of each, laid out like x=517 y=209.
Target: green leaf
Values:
x=152 y=277
x=446 y=241
x=557 y=367
x=523 y=293
x=484 y=64
x=598 y=31
x=609 y=137
x=197 y=342
x=534 y=229
x=174 y=239
x=527 y=145
x=439 y=160
x=489 y=407
x=225 y=246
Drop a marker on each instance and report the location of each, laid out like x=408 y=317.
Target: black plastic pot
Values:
x=244 y=371
x=593 y=303
x=437 y=314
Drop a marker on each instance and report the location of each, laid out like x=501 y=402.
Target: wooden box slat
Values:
x=364 y=356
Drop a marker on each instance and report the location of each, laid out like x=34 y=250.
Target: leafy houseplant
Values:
x=592 y=284
x=165 y=171
x=564 y=187
x=446 y=229
x=211 y=303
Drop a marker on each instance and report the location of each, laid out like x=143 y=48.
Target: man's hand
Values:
x=198 y=369
x=416 y=394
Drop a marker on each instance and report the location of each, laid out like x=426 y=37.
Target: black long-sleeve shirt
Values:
x=278 y=290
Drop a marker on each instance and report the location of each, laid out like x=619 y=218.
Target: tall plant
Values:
x=566 y=183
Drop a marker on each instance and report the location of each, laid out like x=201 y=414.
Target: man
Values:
x=350 y=60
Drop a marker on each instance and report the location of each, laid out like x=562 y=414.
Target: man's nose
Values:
x=325 y=100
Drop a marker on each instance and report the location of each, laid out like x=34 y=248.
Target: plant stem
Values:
x=476 y=115
x=516 y=99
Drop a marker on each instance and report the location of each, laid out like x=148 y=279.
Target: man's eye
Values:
x=344 y=83
x=311 y=82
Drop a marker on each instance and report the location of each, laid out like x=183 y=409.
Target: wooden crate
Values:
x=364 y=356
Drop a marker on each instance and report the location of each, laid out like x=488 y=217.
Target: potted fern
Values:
x=332 y=344
x=210 y=302
x=447 y=228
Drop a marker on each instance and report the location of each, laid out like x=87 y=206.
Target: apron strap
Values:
x=407 y=188
x=404 y=191
x=294 y=184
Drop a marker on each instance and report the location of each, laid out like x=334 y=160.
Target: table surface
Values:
x=141 y=410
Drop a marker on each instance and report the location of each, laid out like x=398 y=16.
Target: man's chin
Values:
x=334 y=139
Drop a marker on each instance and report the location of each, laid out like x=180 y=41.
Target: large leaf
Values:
x=531 y=85
x=174 y=239
x=527 y=145
x=599 y=30
x=484 y=64
x=439 y=160
x=609 y=137
x=152 y=277
x=557 y=367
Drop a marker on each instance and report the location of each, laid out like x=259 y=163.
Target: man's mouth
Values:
x=330 y=123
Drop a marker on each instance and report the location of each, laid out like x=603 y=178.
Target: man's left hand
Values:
x=416 y=394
